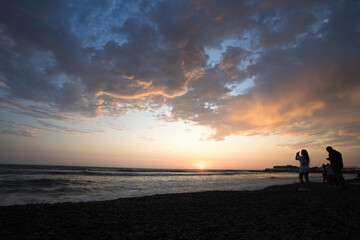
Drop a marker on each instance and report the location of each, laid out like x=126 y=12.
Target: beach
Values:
x=276 y=212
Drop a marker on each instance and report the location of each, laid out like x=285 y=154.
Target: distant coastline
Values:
x=277 y=168
x=129 y=169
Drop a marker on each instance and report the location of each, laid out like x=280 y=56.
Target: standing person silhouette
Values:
x=336 y=163
x=304 y=160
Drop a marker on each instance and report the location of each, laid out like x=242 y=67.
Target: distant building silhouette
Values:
x=287 y=168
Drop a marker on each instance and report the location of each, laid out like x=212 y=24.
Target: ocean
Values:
x=28 y=184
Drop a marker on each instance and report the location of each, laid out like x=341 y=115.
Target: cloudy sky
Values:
x=179 y=84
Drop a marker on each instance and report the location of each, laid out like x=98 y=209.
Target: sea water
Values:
x=27 y=184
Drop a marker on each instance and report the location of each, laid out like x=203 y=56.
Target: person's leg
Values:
x=307 y=180
x=340 y=178
x=301 y=179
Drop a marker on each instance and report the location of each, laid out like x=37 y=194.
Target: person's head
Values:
x=305 y=154
x=329 y=149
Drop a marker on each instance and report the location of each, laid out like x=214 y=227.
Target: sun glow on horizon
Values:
x=201 y=167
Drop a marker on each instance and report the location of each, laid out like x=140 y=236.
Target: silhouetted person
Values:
x=336 y=162
x=304 y=160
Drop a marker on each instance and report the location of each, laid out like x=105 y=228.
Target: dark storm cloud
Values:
x=301 y=55
x=309 y=76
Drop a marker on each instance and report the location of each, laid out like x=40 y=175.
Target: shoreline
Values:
x=276 y=212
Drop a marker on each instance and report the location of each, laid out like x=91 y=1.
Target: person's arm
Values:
x=331 y=156
x=297 y=156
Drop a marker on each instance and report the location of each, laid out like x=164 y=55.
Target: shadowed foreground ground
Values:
x=278 y=212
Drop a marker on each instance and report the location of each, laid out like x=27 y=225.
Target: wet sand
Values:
x=277 y=212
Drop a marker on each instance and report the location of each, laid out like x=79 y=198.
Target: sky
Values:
x=179 y=84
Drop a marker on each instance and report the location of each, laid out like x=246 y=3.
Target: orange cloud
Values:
x=141 y=95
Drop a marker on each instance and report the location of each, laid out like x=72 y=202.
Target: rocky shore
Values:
x=277 y=212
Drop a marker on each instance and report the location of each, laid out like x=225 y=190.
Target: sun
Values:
x=201 y=166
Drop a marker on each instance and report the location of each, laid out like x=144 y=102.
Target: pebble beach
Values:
x=276 y=212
